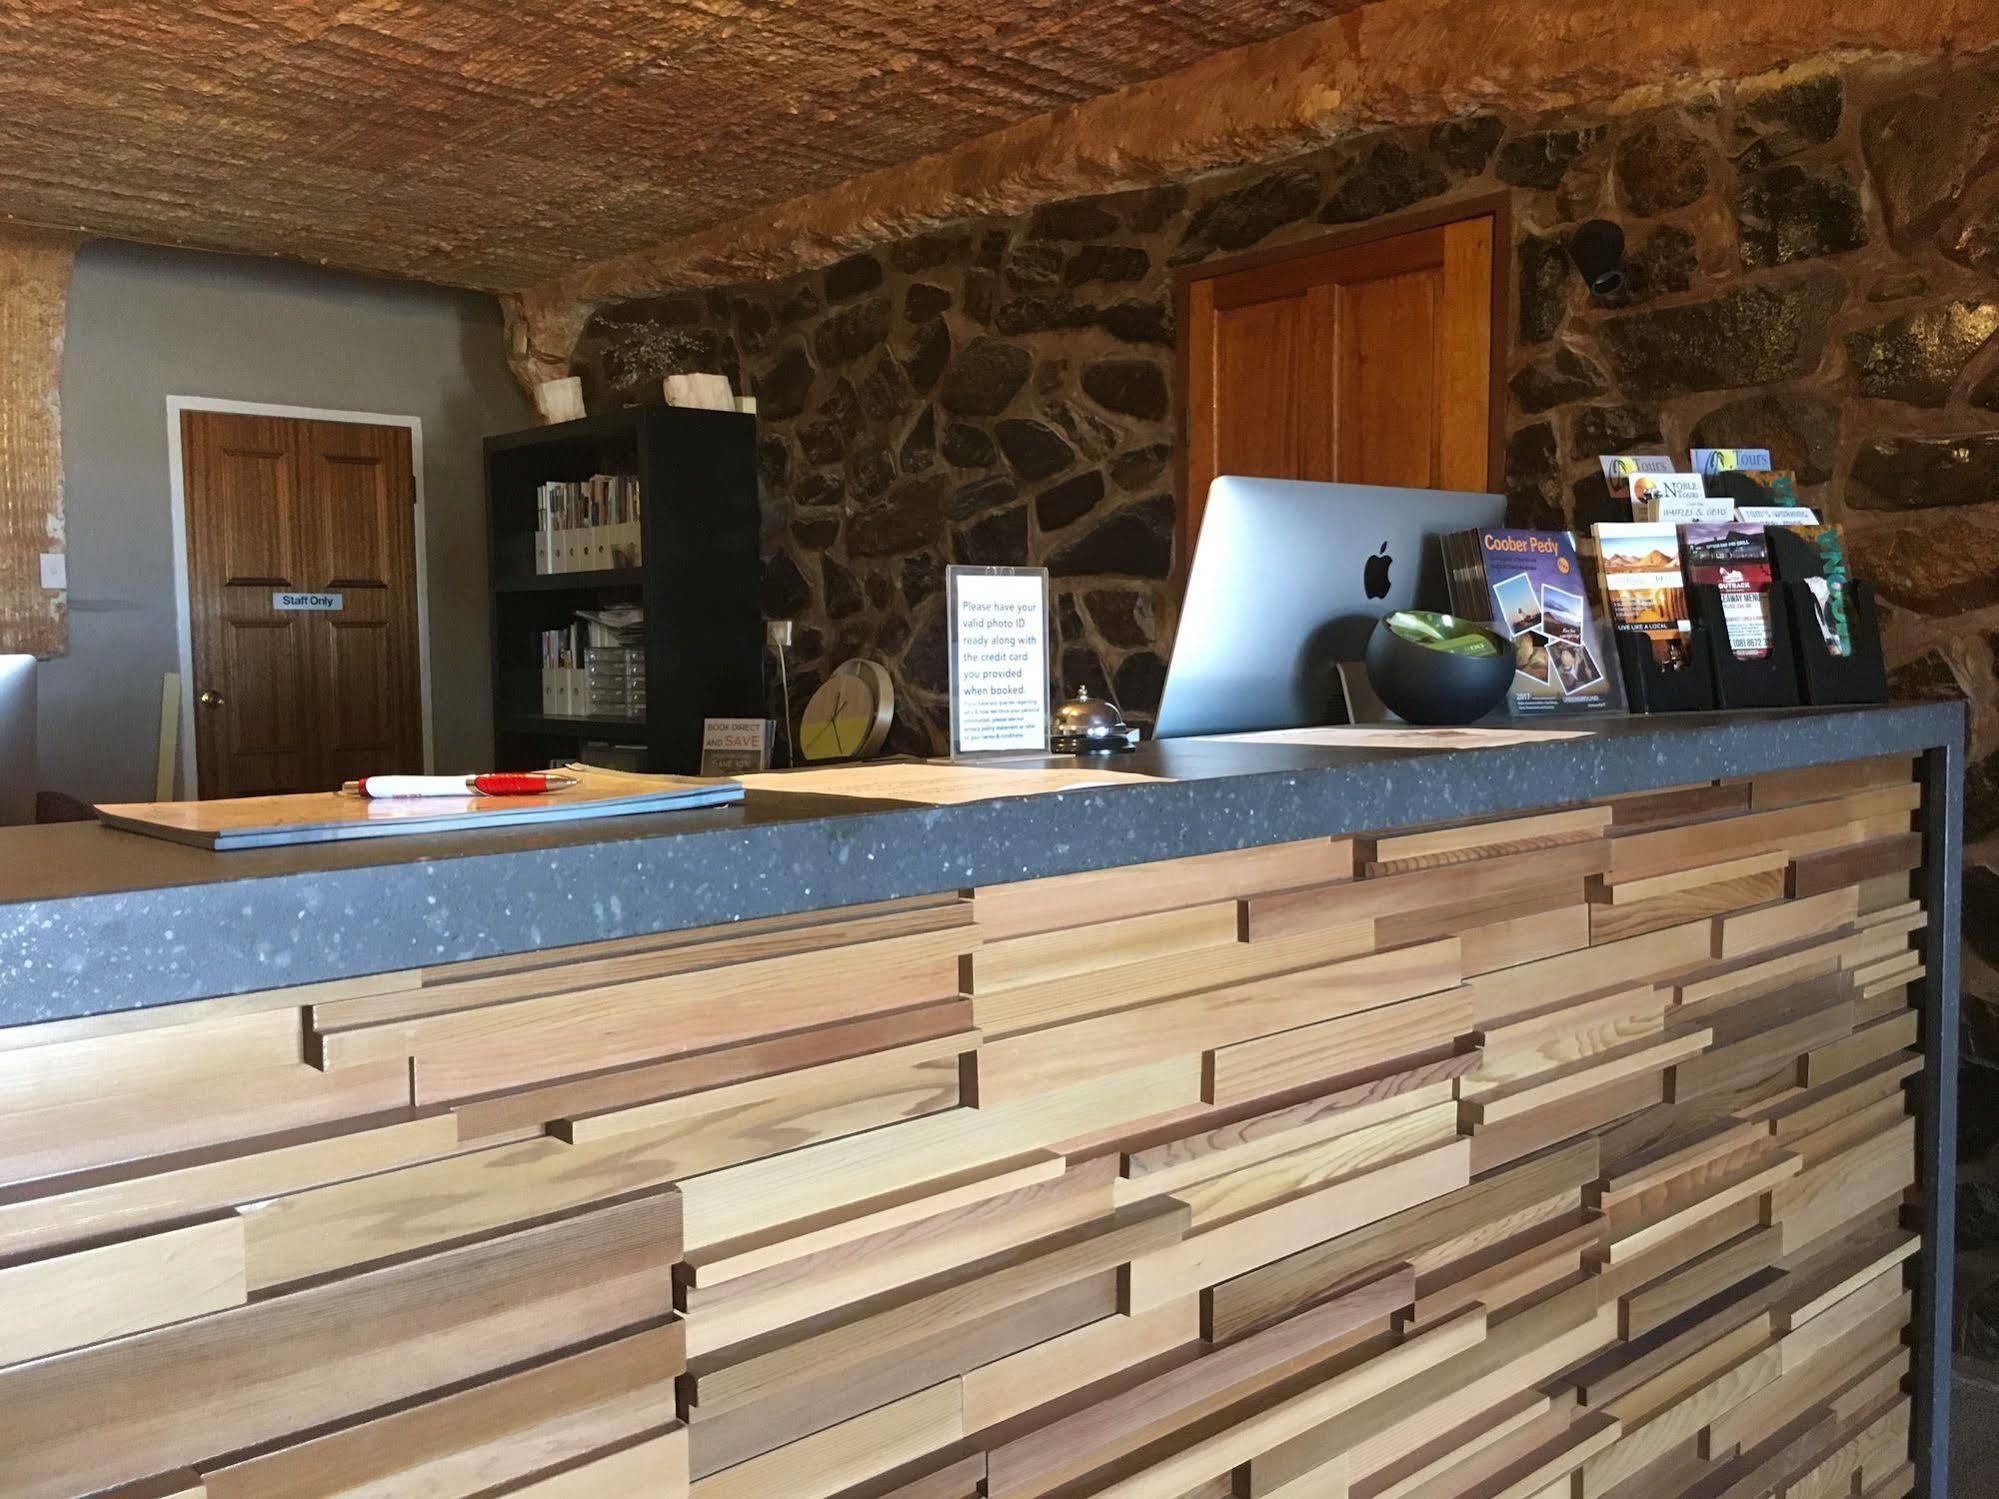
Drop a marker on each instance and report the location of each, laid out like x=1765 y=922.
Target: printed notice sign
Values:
x=999 y=658
x=329 y=601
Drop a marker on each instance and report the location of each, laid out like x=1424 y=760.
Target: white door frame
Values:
x=190 y=770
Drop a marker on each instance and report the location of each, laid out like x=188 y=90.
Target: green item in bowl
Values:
x=1443 y=632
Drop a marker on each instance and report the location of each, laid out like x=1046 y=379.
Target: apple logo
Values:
x=1376 y=577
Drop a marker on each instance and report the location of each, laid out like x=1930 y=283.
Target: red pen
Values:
x=533 y=783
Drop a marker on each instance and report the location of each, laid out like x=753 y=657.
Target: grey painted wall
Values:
x=146 y=323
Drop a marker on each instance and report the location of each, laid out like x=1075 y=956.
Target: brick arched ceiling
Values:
x=499 y=143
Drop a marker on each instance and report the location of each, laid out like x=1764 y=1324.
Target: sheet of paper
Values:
x=1390 y=736
x=937 y=785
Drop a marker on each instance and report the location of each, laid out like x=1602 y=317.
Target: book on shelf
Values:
x=589 y=525
x=1529 y=585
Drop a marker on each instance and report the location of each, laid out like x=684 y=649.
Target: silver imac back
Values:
x=1288 y=580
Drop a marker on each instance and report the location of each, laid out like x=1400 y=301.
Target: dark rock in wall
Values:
x=1138 y=468
x=785 y=594
x=1243 y=216
x=1925 y=147
x=1032 y=266
x=922 y=301
x=1130 y=387
x=1082 y=671
x=1555 y=380
x=819 y=489
x=1986 y=392
x=798 y=303
x=837 y=423
x=981 y=495
x=1106 y=263
x=782 y=389
x=754 y=323
x=816 y=533
x=1044 y=312
x=992 y=248
x=1782 y=121
x=1660 y=166
x=885 y=393
x=1540 y=159
x=852 y=332
x=1981 y=799
x=985 y=377
x=773 y=462
x=1466 y=145
x=1068 y=501
x=1077 y=219
x=909 y=516
x=1800 y=430
x=926 y=661
x=840 y=590
x=1154 y=208
x=1388 y=179
x=1597 y=430
x=926 y=354
x=1945 y=566
x=1089 y=435
x=919 y=448
x=1544 y=287
x=869 y=472
x=850 y=277
x=1929 y=678
x=1533 y=479
x=1034 y=449
x=1924 y=473
x=1975 y=242
x=998 y=540
x=1751 y=335
x=1139 y=322
x=926 y=252
x=1139 y=683
x=966 y=446
x=1124 y=617
x=921 y=577
x=1135 y=542
x=1918 y=356
x=1792 y=213
x=1662 y=263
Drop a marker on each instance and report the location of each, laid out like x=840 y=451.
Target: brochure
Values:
x=1528 y=583
x=1644 y=589
x=1619 y=467
x=1675 y=499
x=1735 y=558
x=1720 y=460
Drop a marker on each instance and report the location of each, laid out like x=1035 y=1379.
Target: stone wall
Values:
x=1815 y=265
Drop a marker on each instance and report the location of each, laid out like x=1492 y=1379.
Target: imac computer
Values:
x=1288 y=580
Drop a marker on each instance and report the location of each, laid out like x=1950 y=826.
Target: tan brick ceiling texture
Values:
x=499 y=143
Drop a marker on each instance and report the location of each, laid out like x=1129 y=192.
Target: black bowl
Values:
x=1421 y=684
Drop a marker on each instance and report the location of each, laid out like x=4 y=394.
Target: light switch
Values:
x=55 y=570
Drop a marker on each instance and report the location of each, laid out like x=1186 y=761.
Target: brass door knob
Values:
x=210 y=699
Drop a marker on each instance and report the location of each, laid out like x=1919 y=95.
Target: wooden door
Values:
x=1370 y=363
x=287 y=698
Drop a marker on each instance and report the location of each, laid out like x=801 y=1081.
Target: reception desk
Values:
x=1568 y=1118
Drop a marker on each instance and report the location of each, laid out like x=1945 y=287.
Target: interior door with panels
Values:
x=252 y=664
x=355 y=487
x=300 y=699
x=1368 y=363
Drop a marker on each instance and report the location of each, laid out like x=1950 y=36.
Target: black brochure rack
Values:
x=1767 y=681
x=1822 y=677
x=1650 y=687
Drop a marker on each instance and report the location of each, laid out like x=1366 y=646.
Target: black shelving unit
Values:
x=704 y=630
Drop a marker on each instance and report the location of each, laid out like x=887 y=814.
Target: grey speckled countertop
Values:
x=93 y=920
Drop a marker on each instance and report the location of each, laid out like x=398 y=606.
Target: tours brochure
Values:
x=1735 y=558
x=1618 y=469
x=1676 y=498
x=1529 y=585
x=1816 y=556
x=1644 y=589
